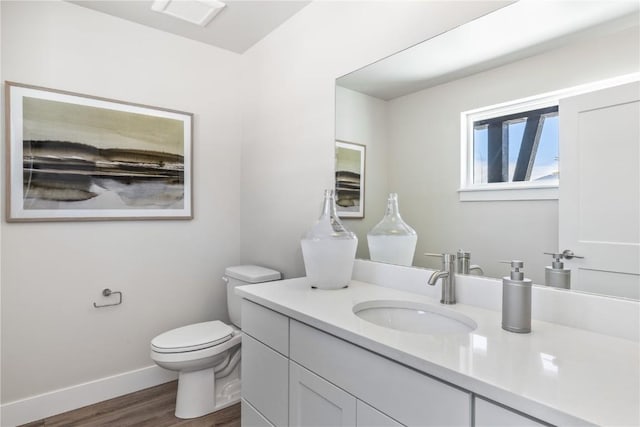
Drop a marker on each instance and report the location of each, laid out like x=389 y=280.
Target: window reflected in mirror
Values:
x=516 y=147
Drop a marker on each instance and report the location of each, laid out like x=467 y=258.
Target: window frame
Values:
x=498 y=128
x=518 y=190
x=523 y=190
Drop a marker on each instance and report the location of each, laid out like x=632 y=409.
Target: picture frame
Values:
x=77 y=157
x=350 y=179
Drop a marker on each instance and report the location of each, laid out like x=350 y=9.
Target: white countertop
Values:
x=559 y=374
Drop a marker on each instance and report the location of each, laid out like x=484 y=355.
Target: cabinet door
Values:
x=409 y=397
x=370 y=417
x=251 y=417
x=266 y=326
x=264 y=380
x=489 y=415
x=316 y=402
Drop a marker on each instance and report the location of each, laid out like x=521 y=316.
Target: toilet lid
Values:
x=192 y=337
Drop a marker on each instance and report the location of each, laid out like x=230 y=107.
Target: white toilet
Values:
x=207 y=355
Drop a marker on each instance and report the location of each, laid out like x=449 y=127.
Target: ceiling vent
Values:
x=199 y=12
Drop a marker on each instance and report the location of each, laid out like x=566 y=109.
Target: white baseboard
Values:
x=66 y=399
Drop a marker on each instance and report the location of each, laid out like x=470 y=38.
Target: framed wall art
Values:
x=79 y=157
x=350 y=167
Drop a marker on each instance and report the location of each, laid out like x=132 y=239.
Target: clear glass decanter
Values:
x=392 y=240
x=329 y=249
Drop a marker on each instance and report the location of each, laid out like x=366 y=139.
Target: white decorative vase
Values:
x=329 y=249
x=392 y=240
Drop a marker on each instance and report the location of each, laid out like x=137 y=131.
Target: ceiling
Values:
x=481 y=45
x=240 y=25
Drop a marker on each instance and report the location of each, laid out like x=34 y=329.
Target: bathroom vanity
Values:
x=309 y=360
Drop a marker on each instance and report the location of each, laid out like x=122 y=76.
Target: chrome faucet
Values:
x=464 y=265
x=448 y=276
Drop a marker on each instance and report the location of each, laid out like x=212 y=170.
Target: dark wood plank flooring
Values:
x=152 y=407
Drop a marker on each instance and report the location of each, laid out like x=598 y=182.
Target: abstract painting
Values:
x=350 y=161
x=79 y=157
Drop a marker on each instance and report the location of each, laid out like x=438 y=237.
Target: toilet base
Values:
x=200 y=393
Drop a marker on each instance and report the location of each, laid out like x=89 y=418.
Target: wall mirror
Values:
x=407 y=108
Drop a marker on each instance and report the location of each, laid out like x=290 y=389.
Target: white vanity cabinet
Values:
x=316 y=402
x=488 y=414
x=297 y=375
x=251 y=416
x=299 y=338
x=366 y=416
x=265 y=367
x=313 y=401
x=405 y=395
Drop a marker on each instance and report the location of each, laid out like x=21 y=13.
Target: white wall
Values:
x=288 y=145
x=168 y=271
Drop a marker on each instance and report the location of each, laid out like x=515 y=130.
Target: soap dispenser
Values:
x=516 y=300
x=556 y=275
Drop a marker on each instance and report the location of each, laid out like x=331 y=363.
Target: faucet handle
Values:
x=430 y=254
x=444 y=257
x=448 y=261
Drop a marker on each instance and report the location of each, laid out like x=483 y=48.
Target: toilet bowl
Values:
x=206 y=355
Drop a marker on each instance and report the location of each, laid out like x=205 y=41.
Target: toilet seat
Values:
x=198 y=336
x=190 y=359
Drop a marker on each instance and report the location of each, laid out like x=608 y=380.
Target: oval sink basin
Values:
x=414 y=317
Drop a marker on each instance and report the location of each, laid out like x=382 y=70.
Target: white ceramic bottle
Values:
x=329 y=249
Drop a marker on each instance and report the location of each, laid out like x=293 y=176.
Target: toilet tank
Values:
x=240 y=275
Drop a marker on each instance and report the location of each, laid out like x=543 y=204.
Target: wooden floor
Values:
x=152 y=407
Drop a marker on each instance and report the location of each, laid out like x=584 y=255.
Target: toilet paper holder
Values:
x=107 y=293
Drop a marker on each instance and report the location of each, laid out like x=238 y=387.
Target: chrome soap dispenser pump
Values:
x=556 y=275
x=516 y=300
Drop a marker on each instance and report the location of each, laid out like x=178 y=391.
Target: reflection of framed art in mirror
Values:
x=350 y=168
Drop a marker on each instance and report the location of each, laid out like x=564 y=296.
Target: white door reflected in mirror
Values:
x=599 y=205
